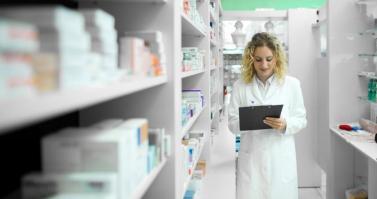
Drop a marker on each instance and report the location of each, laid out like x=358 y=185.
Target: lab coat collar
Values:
x=274 y=85
x=268 y=81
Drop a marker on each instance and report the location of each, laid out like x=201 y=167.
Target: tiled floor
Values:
x=220 y=179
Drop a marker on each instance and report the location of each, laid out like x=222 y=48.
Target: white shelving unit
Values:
x=216 y=63
x=367 y=75
x=158 y=99
x=348 y=159
x=366 y=147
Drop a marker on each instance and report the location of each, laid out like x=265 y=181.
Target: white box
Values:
x=132 y=55
x=139 y=127
x=122 y=149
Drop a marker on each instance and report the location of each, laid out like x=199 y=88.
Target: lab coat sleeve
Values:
x=233 y=117
x=297 y=113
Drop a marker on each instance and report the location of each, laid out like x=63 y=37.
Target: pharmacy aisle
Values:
x=221 y=180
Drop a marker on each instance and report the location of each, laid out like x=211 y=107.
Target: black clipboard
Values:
x=251 y=117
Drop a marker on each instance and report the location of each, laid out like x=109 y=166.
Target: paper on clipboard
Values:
x=251 y=117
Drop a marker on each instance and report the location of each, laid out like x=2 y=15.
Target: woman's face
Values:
x=264 y=62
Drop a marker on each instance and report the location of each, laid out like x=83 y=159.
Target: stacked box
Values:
x=57 y=27
x=101 y=27
x=192 y=59
x=111 y=146
x=155 y=43
x=134 y=56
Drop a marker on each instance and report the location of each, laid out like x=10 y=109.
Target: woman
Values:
x=267 y=158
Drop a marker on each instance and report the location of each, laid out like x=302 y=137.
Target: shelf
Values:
x=189 y=28
x=186 y=183
x=366 y=2
x=146 y=183
x=367 y=55
x=15 y=113
x=139 y=192
x=368 y=148
x=192 y=120
x=370 y=32
x=191 y=73
x=364 y=98
x=236 y=51
x=369 y=75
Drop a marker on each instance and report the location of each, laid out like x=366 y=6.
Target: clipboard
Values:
x=251 y=117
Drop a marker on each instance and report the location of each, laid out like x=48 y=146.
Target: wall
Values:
x=301 y=65
x=345 y=21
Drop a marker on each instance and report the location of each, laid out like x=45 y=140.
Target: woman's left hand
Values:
x=276 y=123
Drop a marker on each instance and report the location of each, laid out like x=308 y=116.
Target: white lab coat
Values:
x=266 y=166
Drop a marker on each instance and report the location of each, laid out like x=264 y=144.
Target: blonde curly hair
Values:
x=259 y=40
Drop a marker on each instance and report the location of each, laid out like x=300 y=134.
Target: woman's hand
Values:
x=276 y=123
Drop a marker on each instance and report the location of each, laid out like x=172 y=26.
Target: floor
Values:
x=220 y=180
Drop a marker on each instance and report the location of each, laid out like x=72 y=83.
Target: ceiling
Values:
x=242 y=5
